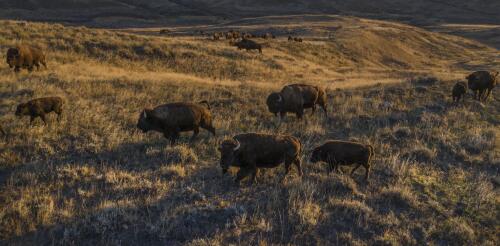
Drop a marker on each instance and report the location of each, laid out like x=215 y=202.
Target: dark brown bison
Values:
x=23 y=56
x=295 y=98
x=2 y=131
x=459 y=91
x=248 y=44
x=337 y=153
x=290 y=39
x=482 y=83
x=173 y=118
x=252 y=151
x=40 y=107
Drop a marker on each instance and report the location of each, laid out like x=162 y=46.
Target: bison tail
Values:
x=205 y=102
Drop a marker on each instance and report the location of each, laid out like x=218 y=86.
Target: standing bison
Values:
x=173 y=118
x=251 y=151
x=295 y=98
x=482 y=83
x=248 y=44
x=336 y=153
x=458 y=92
x=40 y=107
x=23 y=56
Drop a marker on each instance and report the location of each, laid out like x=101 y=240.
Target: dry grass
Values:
x=93 y=179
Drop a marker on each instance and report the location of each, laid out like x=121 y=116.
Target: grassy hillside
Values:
x=93 y=178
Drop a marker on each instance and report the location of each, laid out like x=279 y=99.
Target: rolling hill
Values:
x=116 y=13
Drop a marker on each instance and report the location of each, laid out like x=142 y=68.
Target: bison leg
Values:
x=354 y=169
x=44 y=64
x=298 y=164
x=17 y=69
x=242 y=173
x=42 y=116
x=209 y=128
x=59 y=113
x=196 y=131
x=487 y=94
x=367 y=172
x=330 y=167
x=313 y=109
x=323 y=106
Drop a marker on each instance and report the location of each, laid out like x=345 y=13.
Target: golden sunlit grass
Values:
x=94 y=178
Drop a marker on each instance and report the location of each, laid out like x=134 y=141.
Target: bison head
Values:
x=228 y=150
x=316 y=155
x=12 y=56
x=274 y=102
x=145 y=120
x=22 y=109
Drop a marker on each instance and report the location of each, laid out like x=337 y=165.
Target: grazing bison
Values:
x=295 y=98
x=482 y=83
x=252 y=151
x=337 y=153
x=459 y=91
x=23 y=56
x=173 y=118
x=248 y=44
x=40 y=107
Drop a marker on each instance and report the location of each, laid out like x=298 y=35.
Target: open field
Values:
x=94 y=179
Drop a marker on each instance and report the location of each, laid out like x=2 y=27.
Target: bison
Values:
x=173 y=118
x=40 y=107
x=248 y=44
x=251 y=151
x=295 y=98
x=336 y=153
x=482 y=83
x=23 y=56
x=459 y=91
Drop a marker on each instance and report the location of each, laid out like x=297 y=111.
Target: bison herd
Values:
x=250 y=151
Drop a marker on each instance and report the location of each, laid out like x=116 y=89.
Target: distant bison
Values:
x=40 y=107
x=291 y=39
x=248 y=44
x=459 y=91
x=336 y=153
x=251 y=151
x=2 y=131
x=267 y=36
x=23 y=56
x=173 y=118
x=295 y=98
x=217 y=36
x=482 y=83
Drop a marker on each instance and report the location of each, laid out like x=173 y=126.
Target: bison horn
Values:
x=144 y=113
x=237 y=145
x=279 y=98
